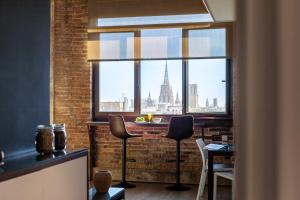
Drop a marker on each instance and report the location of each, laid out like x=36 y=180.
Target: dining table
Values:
x=227 y=150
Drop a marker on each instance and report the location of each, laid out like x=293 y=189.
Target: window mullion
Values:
x=137 y=63
x=185 y=54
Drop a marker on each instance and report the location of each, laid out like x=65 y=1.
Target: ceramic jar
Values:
x=60 y=137
x=102 y=181
x=44 y=139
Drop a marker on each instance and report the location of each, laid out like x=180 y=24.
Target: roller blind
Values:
x=137 y=8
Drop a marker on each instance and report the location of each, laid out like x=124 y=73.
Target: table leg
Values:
x=210 y=175
x=92 y=132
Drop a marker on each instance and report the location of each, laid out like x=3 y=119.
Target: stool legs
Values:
x=123 y=182
x=178 y=186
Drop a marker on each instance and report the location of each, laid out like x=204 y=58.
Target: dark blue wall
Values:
x=24 y=72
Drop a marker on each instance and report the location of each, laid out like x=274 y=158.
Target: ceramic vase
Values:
x=102 y=181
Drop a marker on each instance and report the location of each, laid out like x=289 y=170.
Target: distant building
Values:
x=149 y=102
x=166 y=93
x=177 y=101
x=125 y=104
x=207 y=103
x=215 y=102
x=111 y=106
x=193 y=95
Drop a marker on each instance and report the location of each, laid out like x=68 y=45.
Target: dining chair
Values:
x=118 y=129
x=227 y=175
x=180 y=127
x=217 y=167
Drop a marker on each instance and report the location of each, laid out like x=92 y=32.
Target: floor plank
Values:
x=154 y=191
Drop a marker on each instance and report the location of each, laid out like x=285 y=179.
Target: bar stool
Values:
x=180 y=127
x=118 y=129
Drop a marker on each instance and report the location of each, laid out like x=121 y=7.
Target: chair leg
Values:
x=215 y=186
x=178 y=186
x=233 y=190
x=124 y=183
x=201 y=184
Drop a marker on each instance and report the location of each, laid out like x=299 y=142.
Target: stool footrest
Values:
x=178 y=187
x=124 y=184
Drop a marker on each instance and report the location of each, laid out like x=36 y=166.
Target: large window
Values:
x=168 y=71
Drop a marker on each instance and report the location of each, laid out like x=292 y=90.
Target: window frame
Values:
x=103 y=116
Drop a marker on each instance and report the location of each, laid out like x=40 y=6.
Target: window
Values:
x=207 y=42
x=161 y=43
x=116 y=86
x=207 y=72
x=167 y=71
x=161 y=87
x=206 y=86
x=116 y=45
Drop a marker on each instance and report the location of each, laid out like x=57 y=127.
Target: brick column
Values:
x=71 y=71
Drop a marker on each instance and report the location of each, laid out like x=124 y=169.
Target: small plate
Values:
x=140 y=122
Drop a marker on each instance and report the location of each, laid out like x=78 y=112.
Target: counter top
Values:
x=162 y=124
x=205 y=123
x=26 y=163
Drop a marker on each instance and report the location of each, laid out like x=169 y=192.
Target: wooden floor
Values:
x=154 y=191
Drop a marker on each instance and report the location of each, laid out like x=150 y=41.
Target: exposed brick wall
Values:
x=150 y=158
x=71 y=71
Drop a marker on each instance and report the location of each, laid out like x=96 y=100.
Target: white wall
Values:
x=66 y=181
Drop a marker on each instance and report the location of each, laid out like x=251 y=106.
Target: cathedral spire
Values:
x=166 y=93
x=177 y=101
x=166 y=77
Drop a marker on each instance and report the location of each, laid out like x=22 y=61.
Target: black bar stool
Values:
x=118 y=129
x=180 y=128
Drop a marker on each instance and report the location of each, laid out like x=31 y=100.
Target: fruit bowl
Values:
x=156 y=120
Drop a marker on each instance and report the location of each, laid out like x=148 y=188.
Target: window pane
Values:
x=116 y=86
x=161 y=87
x=207 y=42
x=207 y=86
x=116 y=45
x=161 y=43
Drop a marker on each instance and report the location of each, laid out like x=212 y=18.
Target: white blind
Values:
x=136 y=8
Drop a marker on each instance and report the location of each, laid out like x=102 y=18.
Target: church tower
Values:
x=166 y=93
x=177 y=101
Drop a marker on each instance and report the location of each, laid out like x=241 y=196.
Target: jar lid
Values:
x=58 y=126
x=44 y=127
x=1 y=155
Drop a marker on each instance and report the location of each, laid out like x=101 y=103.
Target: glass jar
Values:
x=60 y=136
x=44 y=139
x=1 y=157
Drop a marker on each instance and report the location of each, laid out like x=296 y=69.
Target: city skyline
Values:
x=165 y=75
